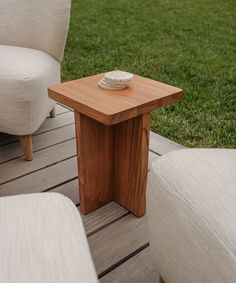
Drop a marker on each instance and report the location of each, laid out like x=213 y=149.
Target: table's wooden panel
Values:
x=114 y=106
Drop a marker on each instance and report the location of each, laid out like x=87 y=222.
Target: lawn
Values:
x=185 y=43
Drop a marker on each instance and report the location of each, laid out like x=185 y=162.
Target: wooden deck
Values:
x=118 y=240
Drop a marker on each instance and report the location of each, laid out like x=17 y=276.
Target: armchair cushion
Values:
x=25 y=75
x=42 y=239
x=192 y=214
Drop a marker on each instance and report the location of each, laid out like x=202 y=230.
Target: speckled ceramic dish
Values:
x=118 y=77
x=103 y=84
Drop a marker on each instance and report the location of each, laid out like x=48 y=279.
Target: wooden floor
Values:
x=118 y=240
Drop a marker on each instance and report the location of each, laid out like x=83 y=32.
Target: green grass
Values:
x=185 y=43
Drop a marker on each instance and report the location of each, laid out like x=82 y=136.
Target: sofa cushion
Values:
x=25 y=75
x=192 y=215
x=42 y=239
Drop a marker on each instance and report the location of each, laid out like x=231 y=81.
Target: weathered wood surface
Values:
x=47 y=139
x=138 y=269
x=118 y=240
x=42 y=159
x=103 y=216
x=41 y=180
x=68 y=189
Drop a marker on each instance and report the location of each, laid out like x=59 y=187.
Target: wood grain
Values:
x=69 y=189
x=137 y=269
x=112 y=163
x=41 y=180
x=102 y=217
x=109 y=106
x=112 y=133
x=131 y=140
x=60 y=121
x=116 y=241
x=45 y=158
x=42 y=141
x=95 y=163
x=27 y=147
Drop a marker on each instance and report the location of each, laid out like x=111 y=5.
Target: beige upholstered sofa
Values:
x=191 y=210
x=32 y=40
x=42 y=240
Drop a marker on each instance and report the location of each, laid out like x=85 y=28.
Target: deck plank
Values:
x=44 y=158
x=69 y=189
x=47 y=139
x=47 y=157
x=103 y=216
x=118 y=240
x=42 y=180
x=137 y=269
x=60 y=109
x=60 y=121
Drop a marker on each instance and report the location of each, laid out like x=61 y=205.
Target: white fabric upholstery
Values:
x=42 y=240
x=38 y=29
x=191 y=212
x=36 y=24
x=25 y=75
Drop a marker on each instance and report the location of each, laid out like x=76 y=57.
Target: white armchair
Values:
x=32 y=40
x=191 y=211
x=43 y=240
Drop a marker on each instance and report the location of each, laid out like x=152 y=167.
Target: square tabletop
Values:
x=113 y=106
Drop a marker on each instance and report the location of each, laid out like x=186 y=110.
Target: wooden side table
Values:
x=112 y=133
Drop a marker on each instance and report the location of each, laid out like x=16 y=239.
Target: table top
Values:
x=113 y=106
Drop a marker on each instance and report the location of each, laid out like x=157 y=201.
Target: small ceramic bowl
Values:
x=115 y=84
x=118 y=77
x=103 y=84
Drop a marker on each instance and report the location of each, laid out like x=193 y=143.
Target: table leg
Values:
x=113 y=163
x=131 y=142
x=95 y=163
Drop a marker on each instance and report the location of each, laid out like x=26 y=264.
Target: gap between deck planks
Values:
x=45 y=164
x=138 y=268
x=42 y=159
x=117 y=239
x=45 y=140
x=63 y=129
